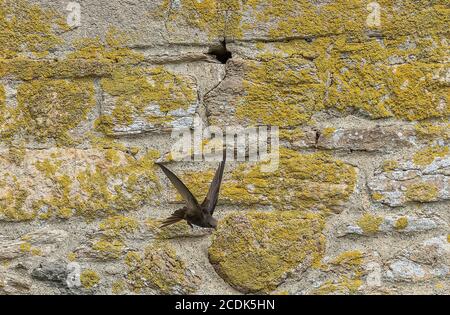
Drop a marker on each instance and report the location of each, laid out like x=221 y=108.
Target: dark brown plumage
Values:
x=195 y=213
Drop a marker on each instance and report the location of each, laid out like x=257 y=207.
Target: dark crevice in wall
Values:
x=220 y=52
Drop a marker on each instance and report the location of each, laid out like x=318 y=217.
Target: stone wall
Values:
x=90 y=90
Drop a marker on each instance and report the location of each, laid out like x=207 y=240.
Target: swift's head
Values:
x=211 y=222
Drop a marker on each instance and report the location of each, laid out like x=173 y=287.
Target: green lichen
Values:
x=27 y=248
x=301 y=182
x=427 y=156
x=89 y=278
x=160 y=268
x=401 y=223
x=422 y=192
x=255 y=251
x=369 y=223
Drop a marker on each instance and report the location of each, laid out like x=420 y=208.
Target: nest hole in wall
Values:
x=220 y=52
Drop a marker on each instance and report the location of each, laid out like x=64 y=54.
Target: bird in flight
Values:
x=195 y=213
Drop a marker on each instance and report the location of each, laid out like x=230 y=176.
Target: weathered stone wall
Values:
x=359 y=204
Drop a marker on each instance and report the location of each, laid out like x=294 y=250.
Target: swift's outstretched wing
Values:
x=210 y=201
x=188 y=197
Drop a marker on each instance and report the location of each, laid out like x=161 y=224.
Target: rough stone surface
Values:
x=359 y=203
x=256 y=251
x=398 y=183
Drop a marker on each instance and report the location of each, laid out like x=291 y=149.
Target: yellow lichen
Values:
x=179 y=229
x=304 y=18
x=91 y=57
x=280 y=91
x=72 y=256
x=349 y=259
x=253 y=251
x=401 y=223
x=291 y=135
x=89 y=278
x=301 y=182
x=422 y=192
x=369 y=223
x=13 y=203
x=160 y=268
x=16 y=153
x=429 y=131
x=94 y=191
x=134 y=89
x=3 y=107
x=25 y=247
x=117 y=226
x=377 y=196
x=326 y=288
x=118 y=287
x=343 y=285
x=49 y=109
x=26 y=27
x=218 y=18
x=98 y=187
x=47 y=167
x=328 y=132
x=428 y=155
x=2 y=98
x=36 y=252
x=390 y=165
x=286 y=87
x=109 y=249
x=348 y=267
